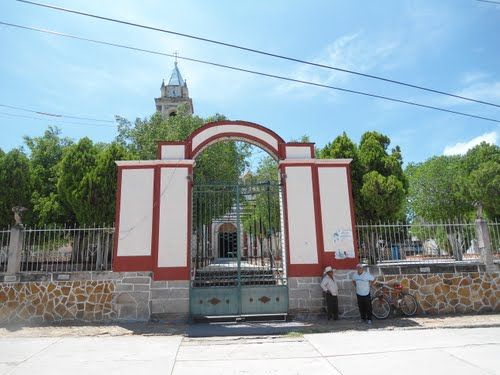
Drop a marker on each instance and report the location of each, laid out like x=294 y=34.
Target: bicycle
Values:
x=383 y=303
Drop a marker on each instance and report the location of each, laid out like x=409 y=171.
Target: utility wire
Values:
x=258 y=52
x=254 y=72
x=58 y=121
x=53 y=114
x=489 y=1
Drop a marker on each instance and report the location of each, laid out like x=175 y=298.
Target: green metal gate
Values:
x=238 y=263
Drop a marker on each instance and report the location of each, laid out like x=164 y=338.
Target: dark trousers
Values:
x=332 y=306
x=365 y=306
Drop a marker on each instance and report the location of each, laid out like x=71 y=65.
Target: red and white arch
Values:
x=153 y=204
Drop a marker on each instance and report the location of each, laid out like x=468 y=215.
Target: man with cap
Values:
x=329 y=286
x=363 y=280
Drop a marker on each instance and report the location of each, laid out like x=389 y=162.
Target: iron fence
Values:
x=4 y=249
x=67 y=249
x=421 y=242
x=494 y=231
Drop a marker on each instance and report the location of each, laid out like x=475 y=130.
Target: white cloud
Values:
x=351 y=52
x=461 y=148
x=473 y=77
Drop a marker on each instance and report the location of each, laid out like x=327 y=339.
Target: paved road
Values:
x=470 y=351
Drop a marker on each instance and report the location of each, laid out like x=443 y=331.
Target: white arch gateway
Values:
x=154 y=204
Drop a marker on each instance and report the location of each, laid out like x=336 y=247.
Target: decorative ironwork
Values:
x=214 y=301
x=264 y=299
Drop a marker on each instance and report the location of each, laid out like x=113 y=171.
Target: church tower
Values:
x=173 y=95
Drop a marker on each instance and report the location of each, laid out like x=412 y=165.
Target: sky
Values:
x=449 y=45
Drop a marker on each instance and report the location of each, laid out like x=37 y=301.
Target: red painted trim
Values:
x=297 y=164
x=189 y=224
x=234 y=135
x=117 y=217
x=155 y=230
x=282 y=171
x=353 y=218
x=132 y=263
x=320 y=245
x=171 y=273
x=302 y=144
x=237 y=122
x=136 y=167
x=279 y=151
x=328 y=256
x=303 y=270
x=169 y=143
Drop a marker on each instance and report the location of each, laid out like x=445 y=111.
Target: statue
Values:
x=479 y=209
x=18 y=210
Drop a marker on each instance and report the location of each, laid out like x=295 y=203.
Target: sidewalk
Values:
x=420 y=346
x=293 y=328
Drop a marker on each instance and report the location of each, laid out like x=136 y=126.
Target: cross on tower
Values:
x=176 y=54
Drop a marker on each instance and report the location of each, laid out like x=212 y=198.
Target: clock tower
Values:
x=173 y=95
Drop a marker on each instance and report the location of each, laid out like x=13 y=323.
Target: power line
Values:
x=53 y=114
x=255 y=72
x=489 y=1
x=213 y=41
x=58 y=121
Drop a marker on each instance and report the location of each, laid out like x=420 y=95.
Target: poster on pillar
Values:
x=341 y=243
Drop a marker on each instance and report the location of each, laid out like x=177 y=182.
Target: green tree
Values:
x=379 y=185
x=481 y=181
x=73 y=183
x=447 y=187
x=46 y=152
x=98 y=186
x=223 y=162
x=15 y=186
x=435 y=189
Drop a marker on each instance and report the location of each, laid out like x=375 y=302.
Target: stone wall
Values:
x=134 y=296
x=438 y=288
x=306 y=297
x=448 y=293
x=91 y=296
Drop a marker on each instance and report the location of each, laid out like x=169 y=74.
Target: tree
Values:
x=46 y=153
x=435 y=191
x=223 y=162
x=447 y=187
x=99 y=186
x=15 y=187
x=379 y=185
x=73 y=183
x=481 y=182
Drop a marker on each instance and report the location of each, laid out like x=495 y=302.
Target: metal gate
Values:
x=238 y=263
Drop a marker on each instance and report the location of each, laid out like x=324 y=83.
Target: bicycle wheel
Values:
x=408 y=304
x=380 y=308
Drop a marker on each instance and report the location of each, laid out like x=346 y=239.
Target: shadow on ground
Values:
x=245 y=328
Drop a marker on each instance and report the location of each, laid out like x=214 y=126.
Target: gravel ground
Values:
x=293 y=328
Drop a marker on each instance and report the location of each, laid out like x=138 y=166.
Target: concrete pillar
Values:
x=484 y=244
x=15 y=249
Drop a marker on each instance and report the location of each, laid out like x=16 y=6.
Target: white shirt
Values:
x=329 y=285
x=362 y=282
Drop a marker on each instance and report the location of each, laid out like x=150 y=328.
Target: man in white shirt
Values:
x=329 y=286
x=363 y=280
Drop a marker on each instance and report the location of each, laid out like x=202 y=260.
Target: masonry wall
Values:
x=134 y=296
x=92 y=296
x=439 y=289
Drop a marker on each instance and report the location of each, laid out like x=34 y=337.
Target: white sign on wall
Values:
x=342 y=244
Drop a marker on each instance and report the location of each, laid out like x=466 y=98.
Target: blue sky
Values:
x=449 y=45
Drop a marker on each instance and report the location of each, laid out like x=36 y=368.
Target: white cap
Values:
x=328 y=269
x=359 y=265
